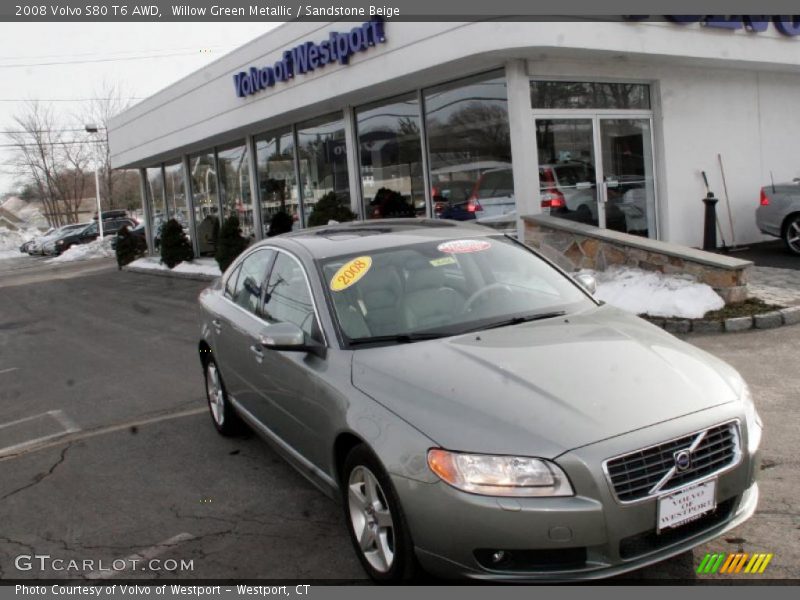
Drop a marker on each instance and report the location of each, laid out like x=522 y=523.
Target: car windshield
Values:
x=442 y=288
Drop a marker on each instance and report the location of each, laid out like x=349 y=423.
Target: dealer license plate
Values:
x=686 y=504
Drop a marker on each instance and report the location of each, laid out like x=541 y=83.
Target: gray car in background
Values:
x=474 y=409
x=778 y=213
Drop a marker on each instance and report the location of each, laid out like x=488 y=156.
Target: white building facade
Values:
x=609 y=123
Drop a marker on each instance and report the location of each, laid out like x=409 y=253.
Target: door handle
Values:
x=257 y=352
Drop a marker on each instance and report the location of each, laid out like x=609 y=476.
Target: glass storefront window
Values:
x=391 y=159
x=234 y=177
x=277 y=183
x=175 y=193
x=323 y=162
x=588 y=94
x=158 y=204
x=203 y=175
x=470 y=150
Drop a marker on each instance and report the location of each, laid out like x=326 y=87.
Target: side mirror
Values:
x=289 y=338
x=587 y=282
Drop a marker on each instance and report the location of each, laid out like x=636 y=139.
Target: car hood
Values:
x=545 y=387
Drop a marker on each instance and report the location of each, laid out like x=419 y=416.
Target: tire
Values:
x=223 y=415
x=791 y=234
x=373 y=513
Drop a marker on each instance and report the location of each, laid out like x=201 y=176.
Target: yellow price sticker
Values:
x=350 y=272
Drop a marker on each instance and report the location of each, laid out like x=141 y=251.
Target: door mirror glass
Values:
x=283 y=336
x=587 y=282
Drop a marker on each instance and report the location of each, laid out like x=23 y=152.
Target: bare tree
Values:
x=37 y=140
x=109 y=100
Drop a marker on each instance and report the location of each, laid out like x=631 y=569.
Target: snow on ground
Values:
x=656 y=294
x=202 y=266
x=10 y=241
x=96 y=249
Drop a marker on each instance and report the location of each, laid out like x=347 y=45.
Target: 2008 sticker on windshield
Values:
x=463 y=246
x=350 y=273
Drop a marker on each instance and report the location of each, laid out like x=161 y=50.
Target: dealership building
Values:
x=603 y=122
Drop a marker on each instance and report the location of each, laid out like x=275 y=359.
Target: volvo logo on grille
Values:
x=683 y=460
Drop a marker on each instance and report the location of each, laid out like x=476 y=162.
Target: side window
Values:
x=288 y=299
x=250 y=282
x=230 y=283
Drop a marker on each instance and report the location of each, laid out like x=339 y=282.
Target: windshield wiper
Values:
x=518 y=320
x=399 y=338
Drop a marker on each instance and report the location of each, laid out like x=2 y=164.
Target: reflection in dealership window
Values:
x=234 y=177
x=247 y=290
x=158 y=205
x=203 y=175
x=176 y=194
x=470 y=150
x=588 y=94
x=391 y=159
x=287 y=298
x=276 y=177
x=323 y=162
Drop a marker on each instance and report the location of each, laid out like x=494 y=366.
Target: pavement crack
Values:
x=39 y=477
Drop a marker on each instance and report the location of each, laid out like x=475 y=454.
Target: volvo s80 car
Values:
x=474 y=409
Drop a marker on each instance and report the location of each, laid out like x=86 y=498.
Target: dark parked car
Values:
x=88 y=234
x=473 y=408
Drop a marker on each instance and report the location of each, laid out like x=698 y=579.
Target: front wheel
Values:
x=791 y=234
x=223 y=415
x=375 y=519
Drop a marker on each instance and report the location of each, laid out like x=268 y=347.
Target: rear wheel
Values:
x=791 y=234
x=375 y=519
x=223 y=415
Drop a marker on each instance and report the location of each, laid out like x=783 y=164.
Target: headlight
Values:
x=754 y=424
x=499 y=475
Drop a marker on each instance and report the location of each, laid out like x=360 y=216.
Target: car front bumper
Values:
x=587 y=536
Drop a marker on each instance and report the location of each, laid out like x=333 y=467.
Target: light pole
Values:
x=91 y=128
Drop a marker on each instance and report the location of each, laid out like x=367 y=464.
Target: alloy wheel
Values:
x=371 y=519
x=216 y=398
x=792 y=235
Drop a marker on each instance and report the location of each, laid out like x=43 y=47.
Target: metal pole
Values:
x=99 y=208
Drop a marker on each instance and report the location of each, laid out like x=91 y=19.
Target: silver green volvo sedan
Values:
x=475 y=410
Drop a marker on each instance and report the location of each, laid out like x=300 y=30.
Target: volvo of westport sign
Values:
x=309 y=56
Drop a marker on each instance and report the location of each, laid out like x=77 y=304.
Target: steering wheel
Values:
x=493 y=287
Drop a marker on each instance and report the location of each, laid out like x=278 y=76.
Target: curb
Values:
x=164 y=273
x=767 y=320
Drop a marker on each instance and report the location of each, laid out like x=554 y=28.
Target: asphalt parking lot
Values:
x=106 y=450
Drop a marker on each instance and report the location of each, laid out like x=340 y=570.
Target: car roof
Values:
x=368 y=236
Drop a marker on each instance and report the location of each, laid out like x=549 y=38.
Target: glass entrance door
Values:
x=598 y=170
x=628 y=190
x=567 y=171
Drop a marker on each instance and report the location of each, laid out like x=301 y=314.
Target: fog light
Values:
x=499 y=556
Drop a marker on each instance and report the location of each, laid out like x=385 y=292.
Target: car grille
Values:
x=652 y=470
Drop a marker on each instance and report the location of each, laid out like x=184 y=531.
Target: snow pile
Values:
x=10 y=241
x=656 y=294
x=96 y=249
x=199 y=266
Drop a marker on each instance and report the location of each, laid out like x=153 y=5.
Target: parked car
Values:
x=778 y=213
x=87 y=234
x=474 y=409
x=26 y=246
x=37 y=247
